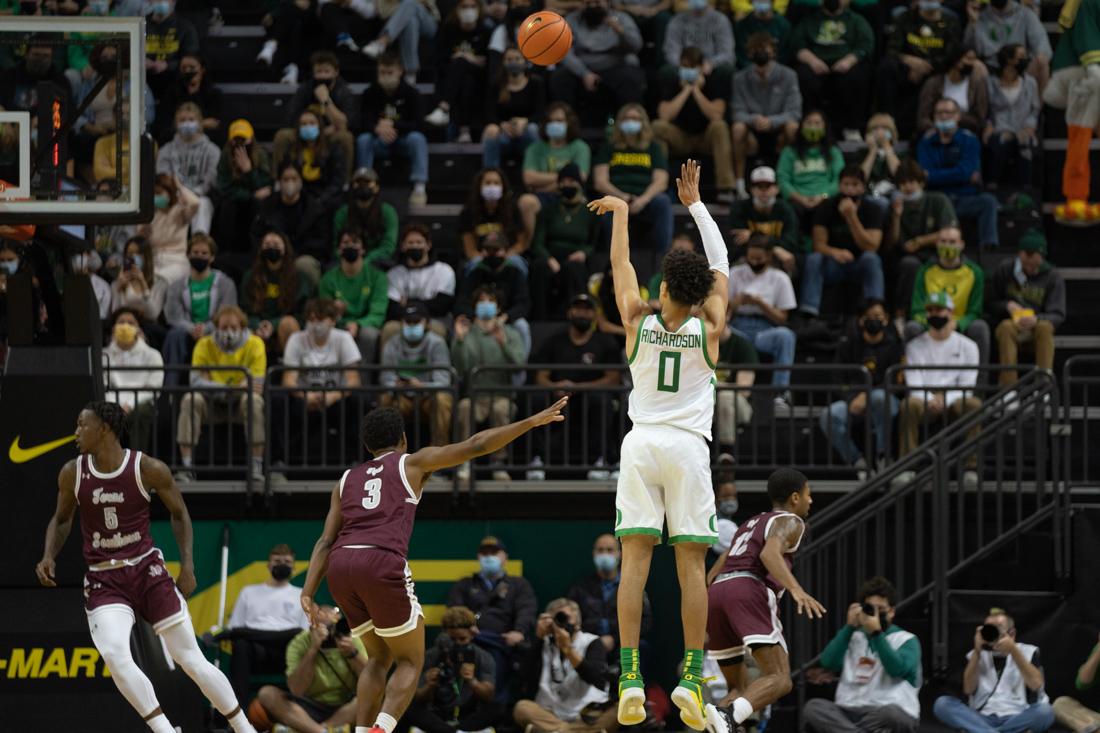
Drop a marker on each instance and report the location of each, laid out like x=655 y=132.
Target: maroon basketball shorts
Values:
x=374 y=589
x=742 y=611
x=141 y=585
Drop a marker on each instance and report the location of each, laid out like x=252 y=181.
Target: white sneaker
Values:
x=599 y=474
x=903 y=479
x=501 y=476
x=290 y=74
x=184 y=476
x=464 y=136
x=1011 y=401
x=374 y=49
x=267 y=53
x=535 y=473
x=438 y=117
x=852 y=136
x=781 y=406
x=344 y=40
x=418 y=198
x=861 y=469
x=464 y=472
x=970 y=479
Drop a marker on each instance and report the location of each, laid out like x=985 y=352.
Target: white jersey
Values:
x=673 y=376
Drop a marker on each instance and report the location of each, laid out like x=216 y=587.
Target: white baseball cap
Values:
x=763 y=174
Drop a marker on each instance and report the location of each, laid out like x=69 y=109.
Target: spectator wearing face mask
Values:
x=392 y=124
x=491 y=209
x=514 y=106
x=460 y=51
x=881 y=162
x=272 y=609
x=230 y=344
x=596 y=595
x=1002 y=22
x=725 y=506
x=301 y=217
x=767 y=106
x=962 y=83
x=1014 y=106
x=192 y=301
x=320 y=158
x=952 y=273
x=567 y=235
x=193 y=84
x=134 y=390
x=508 y=283
x=138 y=286
x=167 y=38
x=559 y=145
x=192 y=159
x=366 y=212
x=175 y=206
x=847 y=235
x=360 y=291
x=505 y=606
x=877 y=346
x=809 y=169
x=244 y=181
x=761 y=16
x=313 y=359
x=406 y=355
x=691 y=118
x=334 y=102
x=763 y=212
x=419 y=278
x=274 y=292
x=702 y=27
x=88 y=263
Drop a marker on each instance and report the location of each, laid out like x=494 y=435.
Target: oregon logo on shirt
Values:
x=640 y=160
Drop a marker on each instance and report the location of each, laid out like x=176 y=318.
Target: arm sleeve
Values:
x=713 y=243
x=673 y=44
x=240 y=610
x=792 y=104
x=513 y=350
x=742 y=109
x=593 y=669
x=439 y=355
x=863 y=39
x=631 y=39
x=388 y=377
x=902 y=663
x=574 y=64
x=724 y=53
x=1037 y=41
x=295 y=650
x=387 y=244
x=916 y=304
x=784 y=173
x=836 y=165
x=832 y=657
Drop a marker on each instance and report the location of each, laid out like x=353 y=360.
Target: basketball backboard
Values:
x=72 y=108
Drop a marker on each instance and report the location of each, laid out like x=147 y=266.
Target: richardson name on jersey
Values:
x=115 y=541
x=672 y=340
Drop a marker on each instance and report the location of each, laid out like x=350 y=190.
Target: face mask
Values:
x=350 y=254
x=38 y=67
x=697 y=4
x=161 y=201
x=854 y=199
x=516 y=68
x=1021 y=66
x=761 y=58
x=998 y=4
x=199 y=264
x=937 y=322
x=467 y=16
x=413 y=332
x=758 y=267
x=389 y=82
x=415 y=255
x=946 y=126
x=557 y=130
x=813 y=134
x=763 y=202
x=965 y=70
x=485 y=310
x=492 y=191
x=125 y=334
x=493 y=262
x=873 y=326
x=10 y=266
x=290 y=188
x=929 y=6
x=490 y=564
x=761 y=7
x=138 y=260
x=282 y=571
x=947 y=254
x=581 y=324
x=161 y=8
x=188 y=76
x=884 y=134
x=605 y=562
x=188 y=128
x=309 y=133
x=913 y=197
x=229 y=339
x=630 y=127
x=593 y=15
x=319 y=330
x=830 y=6
x=688 y=74
x=99 y=7
x=569 y=193
x=272 y=255
x=728 y=507
x=106 y=65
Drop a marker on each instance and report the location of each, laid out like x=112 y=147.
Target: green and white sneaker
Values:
x=631 y=699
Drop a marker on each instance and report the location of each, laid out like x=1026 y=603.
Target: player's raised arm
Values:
x=426 y=460
x=156 y=476
x=785 y=534
x=627 y=295
x=687 y=187
x=61 y=523
x=318 y=560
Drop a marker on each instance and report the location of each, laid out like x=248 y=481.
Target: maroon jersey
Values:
x=378 y=505
x=748 y=542
x=114 y=510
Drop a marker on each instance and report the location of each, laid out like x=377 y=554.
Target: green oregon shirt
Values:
x=333 y=681
x=631 y=170
x=364 y=293
x=200 y=298
x=541 y=157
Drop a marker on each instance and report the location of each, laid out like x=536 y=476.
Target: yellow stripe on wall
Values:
x=437 y=571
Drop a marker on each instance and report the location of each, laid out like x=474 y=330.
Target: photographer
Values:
x=880 y=670
x=322 y=669
x=567 y=676
x=1004 y=681
x=456 y=689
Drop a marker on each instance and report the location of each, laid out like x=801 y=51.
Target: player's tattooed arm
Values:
x=784 y=535
x=156 y=476
x=61 y=523
x=318 y=561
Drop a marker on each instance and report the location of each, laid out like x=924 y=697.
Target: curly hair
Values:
x=110 y=414
x=783 y=482
x=458 y=617
x=878 y=586
x=688 y=276
x=382 y=428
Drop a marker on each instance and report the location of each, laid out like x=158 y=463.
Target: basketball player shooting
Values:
x=747 y=583
x=126 y=574
x=364 y=547
x=665 y=464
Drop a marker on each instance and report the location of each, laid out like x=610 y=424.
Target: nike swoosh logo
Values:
x=19 y=454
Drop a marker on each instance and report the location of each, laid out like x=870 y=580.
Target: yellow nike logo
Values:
x=19 y=454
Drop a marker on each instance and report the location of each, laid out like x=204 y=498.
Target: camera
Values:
x=868 y=609
x=335 y=632
x=990 y=634
x=563 y=622
x=452 y=657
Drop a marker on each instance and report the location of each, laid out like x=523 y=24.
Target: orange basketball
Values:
x=544 y=38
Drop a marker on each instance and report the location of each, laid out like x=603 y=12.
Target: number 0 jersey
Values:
x=114 y=510
x=378 y=505
x=673 y=376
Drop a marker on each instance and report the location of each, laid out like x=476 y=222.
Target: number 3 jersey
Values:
x=378 y=505
x=673 y=376
x=114 y=510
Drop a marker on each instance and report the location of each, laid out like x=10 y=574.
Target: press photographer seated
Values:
x=456 y=688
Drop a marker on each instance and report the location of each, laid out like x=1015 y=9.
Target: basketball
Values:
x=544 y=38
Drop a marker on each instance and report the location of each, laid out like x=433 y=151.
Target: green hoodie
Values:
x=831 y=38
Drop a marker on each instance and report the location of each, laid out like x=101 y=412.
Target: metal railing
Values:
x=1081 y=411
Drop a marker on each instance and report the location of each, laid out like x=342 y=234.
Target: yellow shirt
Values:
x=741 y=8
x=252 y=356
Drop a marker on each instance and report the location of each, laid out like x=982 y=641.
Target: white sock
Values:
x=742 y=709
x=418 y=187
x=160 y=724
x=385 y=722
x=241 y=723
x=186 y=460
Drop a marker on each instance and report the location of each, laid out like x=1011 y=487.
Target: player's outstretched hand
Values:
x=808 y=604
x=687 y=185
x=607 y=204
x=45 y=572
x=551 y=413
x=186 y=581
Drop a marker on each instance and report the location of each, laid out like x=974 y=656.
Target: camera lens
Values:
x=990 y=633
x=869 y=610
